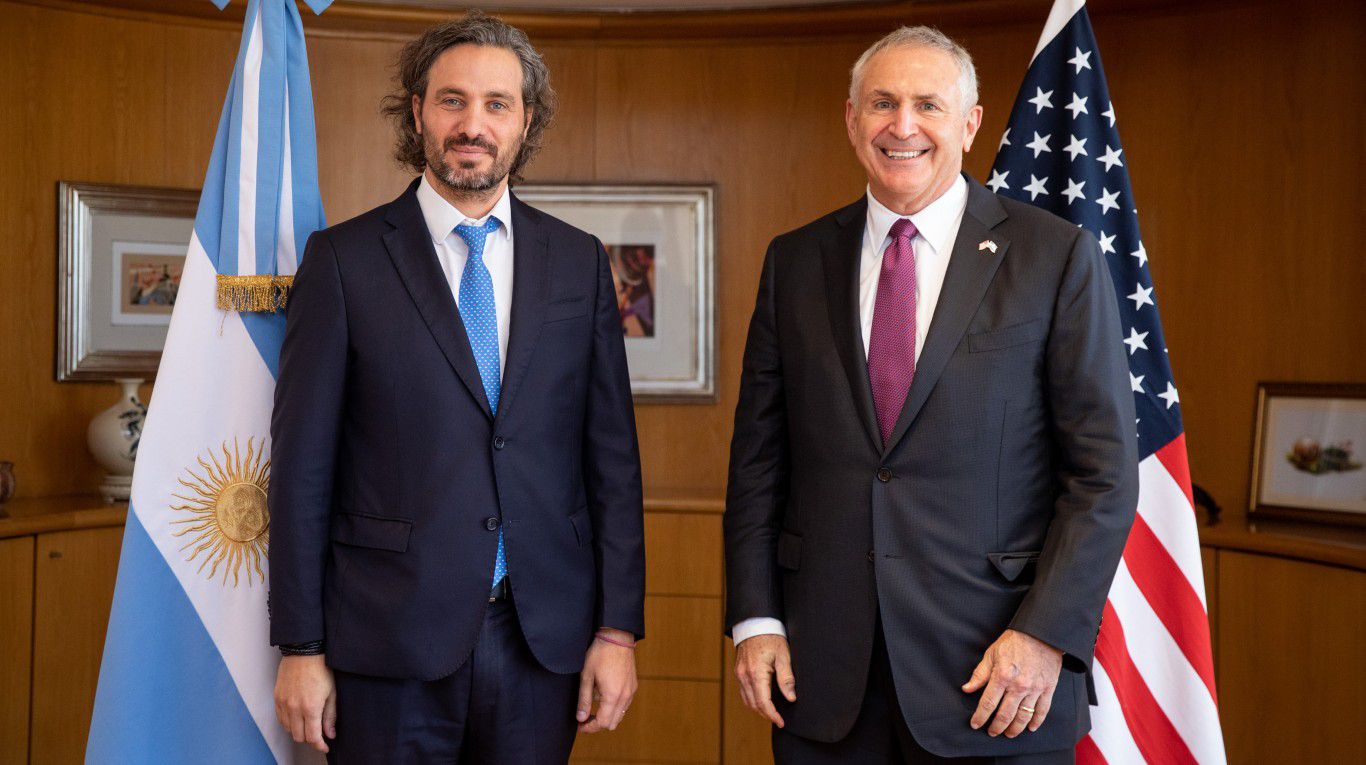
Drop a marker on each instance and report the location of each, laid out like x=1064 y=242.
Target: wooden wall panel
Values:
x=762 y=122
x=1209 y=563
x=1242 y=132
x=1290 y=660
x=678 y=718
x=683 y=554
x=16 y=637
x=682 y=638
x=1243 y=163
x=75 y=572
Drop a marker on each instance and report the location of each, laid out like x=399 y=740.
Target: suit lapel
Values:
x=410 y=247
x=840 y=255
x=965 y=284
x=530 y=285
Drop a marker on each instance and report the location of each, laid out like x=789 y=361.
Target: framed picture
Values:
x=660 y=240
x=1307 y=461
x=120 y=251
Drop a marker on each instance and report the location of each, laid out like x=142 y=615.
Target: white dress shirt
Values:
x=938 y=225
x=442 y=217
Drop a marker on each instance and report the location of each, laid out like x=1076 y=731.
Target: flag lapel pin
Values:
x=987 y=244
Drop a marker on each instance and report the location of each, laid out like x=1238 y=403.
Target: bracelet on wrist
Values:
x=604 y=638
x=311 y=648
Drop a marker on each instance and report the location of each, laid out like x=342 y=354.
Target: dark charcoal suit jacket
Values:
x=391 y=477
x=1003 y=498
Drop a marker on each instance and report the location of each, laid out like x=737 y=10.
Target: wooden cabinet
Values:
x=58 y=562
x=1290 y=663
x=677 y=713
x=1285 y=613
x=74 y=573
x=16 y=638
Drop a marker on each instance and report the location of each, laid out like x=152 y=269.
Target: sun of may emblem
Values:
x=229 y=524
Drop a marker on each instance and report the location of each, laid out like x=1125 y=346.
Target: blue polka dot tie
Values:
x=480 y=315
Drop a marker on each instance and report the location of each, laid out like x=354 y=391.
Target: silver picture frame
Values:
x=661 y=238
x=97 y=225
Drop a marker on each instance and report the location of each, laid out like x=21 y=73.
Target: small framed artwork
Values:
x=661 y=241
x=121 y=251
x=1307 y=461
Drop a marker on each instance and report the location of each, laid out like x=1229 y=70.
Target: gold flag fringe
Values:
x=263 y=293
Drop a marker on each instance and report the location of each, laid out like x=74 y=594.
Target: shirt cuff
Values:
x=758 y=625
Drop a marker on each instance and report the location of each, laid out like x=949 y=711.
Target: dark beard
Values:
x=459 y=178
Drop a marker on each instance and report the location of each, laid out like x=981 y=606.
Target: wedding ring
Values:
x=1024 y=708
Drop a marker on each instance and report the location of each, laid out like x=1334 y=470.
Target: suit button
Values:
x=884 y=475
x=871 y=556
x=498 y=442
x=491 y=523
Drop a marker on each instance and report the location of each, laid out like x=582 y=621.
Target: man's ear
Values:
x=417 y=112
x=530 y=112
x=971 y=126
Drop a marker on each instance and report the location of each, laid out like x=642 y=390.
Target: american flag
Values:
x=1153 y=670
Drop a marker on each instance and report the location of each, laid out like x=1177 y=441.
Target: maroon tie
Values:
x=891 y=347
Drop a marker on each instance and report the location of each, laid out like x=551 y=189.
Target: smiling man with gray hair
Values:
x=934 y=465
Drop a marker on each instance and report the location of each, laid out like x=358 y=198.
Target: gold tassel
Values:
x=263 y=293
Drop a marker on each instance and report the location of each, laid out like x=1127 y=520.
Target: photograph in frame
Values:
x=660 y=241
x=1308 y=463
x=121 y=251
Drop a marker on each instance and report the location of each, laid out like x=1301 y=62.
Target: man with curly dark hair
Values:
x=457 y=553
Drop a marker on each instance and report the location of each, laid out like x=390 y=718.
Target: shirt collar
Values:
x=937 y=222
x=442 y=217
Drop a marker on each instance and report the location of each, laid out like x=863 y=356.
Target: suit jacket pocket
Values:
x=372 y=531
x=789 y=550
x=1006 y=337
x=566 y=309
x=1012 y=565
x=583 y=526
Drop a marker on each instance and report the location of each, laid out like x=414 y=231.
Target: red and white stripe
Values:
x=1153 y=670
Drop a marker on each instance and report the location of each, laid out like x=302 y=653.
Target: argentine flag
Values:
x=188 y=673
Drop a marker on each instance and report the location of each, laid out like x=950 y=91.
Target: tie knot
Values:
x=475 y=236
x=903 y=228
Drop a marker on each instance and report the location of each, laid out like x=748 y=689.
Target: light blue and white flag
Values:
x=188 y=672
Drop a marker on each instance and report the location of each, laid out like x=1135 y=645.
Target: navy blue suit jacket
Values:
x=391 y=477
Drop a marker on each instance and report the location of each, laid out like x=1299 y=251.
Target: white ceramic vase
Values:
x=113 y=438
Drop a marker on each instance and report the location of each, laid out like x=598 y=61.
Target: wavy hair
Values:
x=415 y=63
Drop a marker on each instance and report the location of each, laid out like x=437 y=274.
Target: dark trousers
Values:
x=500 y=707
x=880 y=735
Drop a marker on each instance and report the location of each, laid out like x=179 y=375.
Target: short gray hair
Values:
x=922 y=37
x=476 y=28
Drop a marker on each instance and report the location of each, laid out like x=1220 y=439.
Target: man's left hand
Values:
x=609 y=677
x=1020 y=674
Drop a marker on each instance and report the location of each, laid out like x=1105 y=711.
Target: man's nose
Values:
x=905 y=124
x=470 y=124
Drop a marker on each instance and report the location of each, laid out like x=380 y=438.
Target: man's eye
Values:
x=498 y=105
x=929 y=107
x=882 y=105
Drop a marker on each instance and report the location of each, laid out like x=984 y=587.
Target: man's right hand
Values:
x=306 y=700
x=757 y=659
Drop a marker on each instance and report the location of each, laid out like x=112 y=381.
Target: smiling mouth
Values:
x=892 y=154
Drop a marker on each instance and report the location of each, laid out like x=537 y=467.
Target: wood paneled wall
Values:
x=1241 y=125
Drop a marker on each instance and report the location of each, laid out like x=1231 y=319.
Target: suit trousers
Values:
x=500 y=707
x=880 y=735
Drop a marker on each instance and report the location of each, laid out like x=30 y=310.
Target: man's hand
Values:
x=1020 y=674
x=306 y=700
x=757 y=659
x=609 y=676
